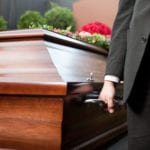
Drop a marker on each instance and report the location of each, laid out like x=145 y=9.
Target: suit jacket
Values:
x=129 y=38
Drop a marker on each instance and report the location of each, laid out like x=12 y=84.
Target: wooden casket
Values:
x=46 y=83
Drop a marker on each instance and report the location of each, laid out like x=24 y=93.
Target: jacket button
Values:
x=143 y=39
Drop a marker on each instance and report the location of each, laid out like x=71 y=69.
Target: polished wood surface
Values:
x=30 y=122
x=17 y=34
x=54 y=54
x=31 y=93
x=75 y=64
x=39 y=70
x=51 y=89
x=85 y=124
x=26 y=61
x=50 y=36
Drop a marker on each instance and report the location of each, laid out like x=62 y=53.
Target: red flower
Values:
x=96 y=27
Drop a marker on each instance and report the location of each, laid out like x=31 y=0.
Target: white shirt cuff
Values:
x=112 y=78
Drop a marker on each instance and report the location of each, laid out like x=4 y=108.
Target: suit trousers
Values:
x=138 y=107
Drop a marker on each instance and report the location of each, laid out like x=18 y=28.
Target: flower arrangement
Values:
x=94 y=39
x=96 y=27
x=96 y=33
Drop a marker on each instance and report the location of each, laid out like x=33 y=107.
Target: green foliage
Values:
x=45 y=26
x=30 y=18
x=3 y=23
x=97 y=40
x=60 y=17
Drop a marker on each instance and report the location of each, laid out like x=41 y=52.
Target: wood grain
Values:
x=26 y=62
x=31 y=122
x=38 y=111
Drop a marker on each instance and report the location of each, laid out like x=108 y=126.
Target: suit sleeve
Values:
x=118 y=45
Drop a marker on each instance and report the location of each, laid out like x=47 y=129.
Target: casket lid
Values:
x=37 y=58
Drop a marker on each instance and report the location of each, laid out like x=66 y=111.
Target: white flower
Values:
x=83 y=34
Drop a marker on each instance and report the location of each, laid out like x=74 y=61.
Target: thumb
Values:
x=110 y=106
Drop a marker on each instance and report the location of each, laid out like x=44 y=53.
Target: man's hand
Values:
x=107 y=95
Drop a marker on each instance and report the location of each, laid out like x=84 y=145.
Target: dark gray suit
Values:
x=128 y=55
x=130 y=35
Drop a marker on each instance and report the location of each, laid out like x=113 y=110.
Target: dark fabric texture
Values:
x=129 y=59
x=129 y=39
x=139 y=108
